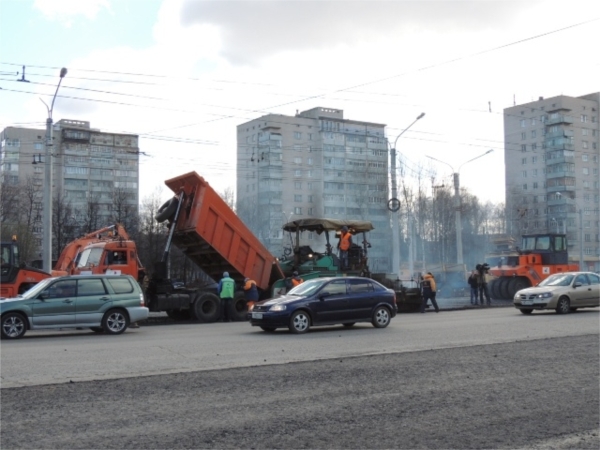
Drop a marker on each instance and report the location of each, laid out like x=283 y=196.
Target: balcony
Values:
x=558 y=118
x=559 y=134
x=559 y=144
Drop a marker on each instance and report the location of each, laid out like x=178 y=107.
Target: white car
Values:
x=563 y=292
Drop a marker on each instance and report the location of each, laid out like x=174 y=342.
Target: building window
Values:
x=535 y=172
x=584 y=131
x=297 y=135
x=297 y=184
x=534 y=159
x=586 y=171
x=297 y=160
x=297 y=173
x=298 y=197
x=523 y=160
x=525 y=187
x=584 y=118
x=309 y=185
x=584 y=144
x=533 y=121
x=523 y=148
x=584 y=157
x=310 y=211
x=535 y=185
x=523 y=136
x=297 y=210
x=533 y=134
x=523 y=123
x=524 y=174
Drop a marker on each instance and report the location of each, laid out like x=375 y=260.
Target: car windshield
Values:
x=35 y=290
x=557 y=280
x=307 y=288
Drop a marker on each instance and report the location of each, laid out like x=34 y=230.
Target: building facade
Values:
x=313 y=164
x=552 y=156
x=95 y=173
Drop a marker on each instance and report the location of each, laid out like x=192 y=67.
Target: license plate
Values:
x=257 y=315
x=526 y=302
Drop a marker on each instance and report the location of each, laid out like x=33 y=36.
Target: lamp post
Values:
x=47 y=216
x=394 y=201
x=458 y=225
x=580 y=213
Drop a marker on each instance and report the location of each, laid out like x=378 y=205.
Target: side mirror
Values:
x=42 y=296
x=324 y=295
x=576 y=285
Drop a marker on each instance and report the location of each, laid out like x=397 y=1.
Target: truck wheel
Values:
x=207 y=307
x=563 y=306
x=13 y=326
x=494 y=285
x=115 y=321
x=239 y=308
x=166 y=210
x=504 y=282
x=381 y=317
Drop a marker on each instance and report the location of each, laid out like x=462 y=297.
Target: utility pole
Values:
x=47 y=197
x=394 y=205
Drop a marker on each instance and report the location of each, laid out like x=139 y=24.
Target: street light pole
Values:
x=395 y=221
x=457 y=206
x=47 y=198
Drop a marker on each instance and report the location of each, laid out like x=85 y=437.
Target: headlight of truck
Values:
x=277 y=308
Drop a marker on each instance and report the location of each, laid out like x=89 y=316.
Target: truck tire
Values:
x=516 y=284
x=504 y=282
x=239 y=307
x=167 y=210
x=207 y=307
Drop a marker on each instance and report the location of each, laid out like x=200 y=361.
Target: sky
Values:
x=183 y=74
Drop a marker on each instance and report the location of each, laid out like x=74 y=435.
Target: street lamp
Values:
x=580 y=212
x=47 y=216
x=394 y=204
x=459 y=248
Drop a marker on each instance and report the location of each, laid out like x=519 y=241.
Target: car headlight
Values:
x=545 y=295
x=277 y=308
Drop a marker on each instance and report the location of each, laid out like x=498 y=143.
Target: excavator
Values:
x=107 y=250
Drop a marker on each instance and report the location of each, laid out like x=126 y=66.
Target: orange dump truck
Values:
x=210 y=234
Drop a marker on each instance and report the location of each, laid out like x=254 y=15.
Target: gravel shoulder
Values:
x=536 y=394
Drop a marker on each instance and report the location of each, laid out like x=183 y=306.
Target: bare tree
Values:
x=63 y=224
x=123 y=211
x=228 y=195
x=91 y=213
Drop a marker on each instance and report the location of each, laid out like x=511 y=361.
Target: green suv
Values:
x=104 y=303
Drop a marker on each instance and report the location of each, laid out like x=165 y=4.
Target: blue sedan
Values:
x=327 y=301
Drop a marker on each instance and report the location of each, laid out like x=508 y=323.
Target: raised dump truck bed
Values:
x=210 y=233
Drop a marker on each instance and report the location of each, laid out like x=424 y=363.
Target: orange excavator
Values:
x=108 y=250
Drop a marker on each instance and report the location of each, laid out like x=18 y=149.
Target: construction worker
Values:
x=251 y=292
x=344 y=245
x=226 y=289
x=296 y=280
x=428 y=291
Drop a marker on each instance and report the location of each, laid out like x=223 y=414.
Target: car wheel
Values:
x=13 y=326
x=563 y=306
x=268 y=329
x=348 y=325
x=115 y=321
x=97 y=329
x=207 y=307
x=526 y=311
x=299 y=322
x=381 y=317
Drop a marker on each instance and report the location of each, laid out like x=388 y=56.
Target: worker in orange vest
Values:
x=251 y=292
x=344 y=245
x=296 y=280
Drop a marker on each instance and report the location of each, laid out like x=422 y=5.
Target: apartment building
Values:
x=94 y=172
x=552 y=156
x=313 y=164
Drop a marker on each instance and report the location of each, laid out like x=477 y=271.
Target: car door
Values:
x=93 y=300
x=580 y=291
x=333 y=304
x=594 y=289
x=361 y=298
x=55 y=305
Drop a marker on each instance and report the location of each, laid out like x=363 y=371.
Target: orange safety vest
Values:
x=296 y=281
x=345 y=241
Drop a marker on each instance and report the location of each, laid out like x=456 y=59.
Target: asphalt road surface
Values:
x=464 y=379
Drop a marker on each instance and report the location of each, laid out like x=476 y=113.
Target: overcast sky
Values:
x=184 y=73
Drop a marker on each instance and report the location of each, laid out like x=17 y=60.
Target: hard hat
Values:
x=225 y=274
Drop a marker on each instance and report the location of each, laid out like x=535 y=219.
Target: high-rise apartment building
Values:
x=552 y=156
x=313 y=164
x=94 y=172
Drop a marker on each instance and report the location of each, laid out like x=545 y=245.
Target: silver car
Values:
x=104 y=303
x=563 y=292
